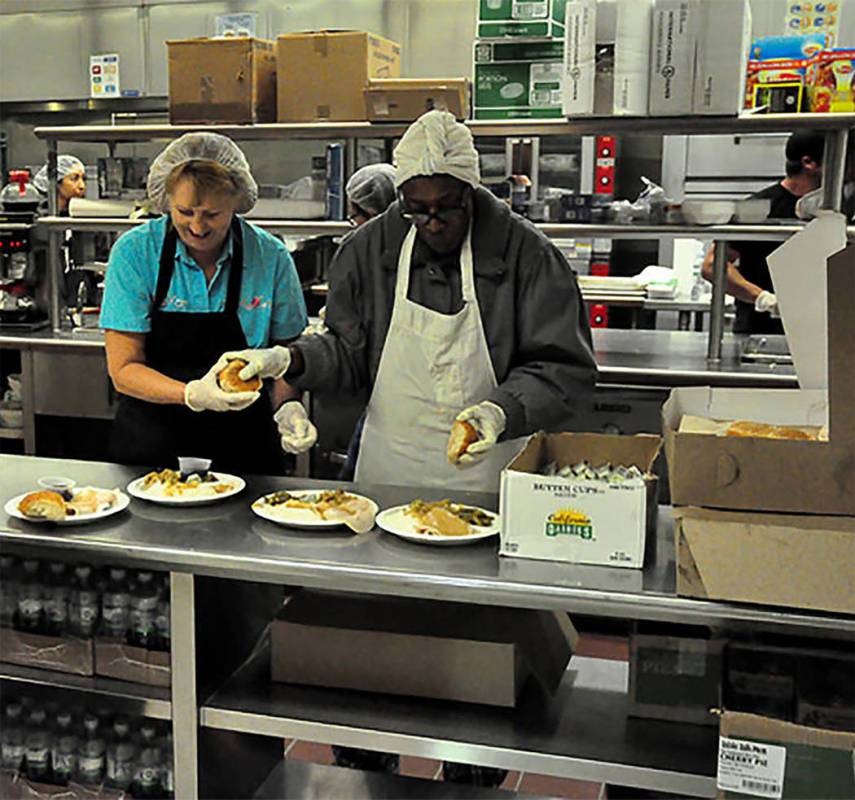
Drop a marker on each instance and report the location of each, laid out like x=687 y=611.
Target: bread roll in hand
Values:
x=462 y=435
x=230 y=381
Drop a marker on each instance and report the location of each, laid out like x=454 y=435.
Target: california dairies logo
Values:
x=569 y=522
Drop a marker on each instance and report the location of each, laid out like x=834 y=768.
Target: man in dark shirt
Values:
x=749 y=281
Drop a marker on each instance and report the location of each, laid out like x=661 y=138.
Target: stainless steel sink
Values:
x=766 y=350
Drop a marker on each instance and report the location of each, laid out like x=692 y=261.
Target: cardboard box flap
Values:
x=596 y=448
x=753 y=726
x=403 y=84
x=841 y=355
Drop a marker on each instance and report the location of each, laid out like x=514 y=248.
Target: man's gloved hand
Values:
x=205 y=394
x=767 y=303
x=296 y=431
x=489 y=421
x=271 y=362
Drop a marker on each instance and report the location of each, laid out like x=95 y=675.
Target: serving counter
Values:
x=227 y=568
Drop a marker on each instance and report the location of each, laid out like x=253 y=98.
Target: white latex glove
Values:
x=270 y=362
x=767 y=303
x=296 y=431
x=205 y=394
x=489 y=421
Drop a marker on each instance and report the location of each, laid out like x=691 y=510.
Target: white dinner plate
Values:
x=135 y=490
x=122 y=502
x=301 y=517
x=395 y=521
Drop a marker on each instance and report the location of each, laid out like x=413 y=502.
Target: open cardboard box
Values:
x=406 y=99
x=419 y=648
x=579 y=521
x=61 y=653
x=787 y=760
x=125 y=662
x=797 y=561
x=756 y=474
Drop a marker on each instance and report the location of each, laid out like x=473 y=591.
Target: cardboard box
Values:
x=498 y=19
x=775 y=475
x=825 y=689
x=632 y=57
x=406 y=99
x=579 y=521
x=221 y=81
x=580 y=69
x=760 y=679
x=672 y=57
x=518 y=80
x=675 y=678
x=419 y=648
x=789 y=560
x=829 y=81
x=60 y=653
x=762 y=757
x=321 y=74
x=721 y=56
x=114 y=659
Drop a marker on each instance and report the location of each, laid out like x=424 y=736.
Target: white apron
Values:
x=432 y=367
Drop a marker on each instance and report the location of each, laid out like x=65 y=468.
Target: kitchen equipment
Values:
x=753 y=211
x=766 y=350
x=708 y=212
x=19 y=194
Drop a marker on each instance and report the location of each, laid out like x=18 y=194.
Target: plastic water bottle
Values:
x=91 y=752
x=167 y=772
x=147 y=778
x=83 y=604
x=9 y=585
x=64 y=751
x=57 y=591
x=143 y=612
x=38 y=746
x=12 y=738
x=121 y=755
x=114 y=605
x=30 y=602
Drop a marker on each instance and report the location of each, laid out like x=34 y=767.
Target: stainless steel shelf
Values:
x=283 y=226
x=581 y=732
x=150 y=701
x=15 y=226
x=757 y=123
x=299 y=780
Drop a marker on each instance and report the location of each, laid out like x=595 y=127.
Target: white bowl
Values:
x=708 y=212
x=753 y=211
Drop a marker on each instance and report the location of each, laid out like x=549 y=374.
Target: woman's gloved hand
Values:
x=205 y=394
x=767 y=303
x=296 y=431
x=270 y=362
x=489 y=421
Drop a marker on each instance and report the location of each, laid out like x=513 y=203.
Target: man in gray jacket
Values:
x=448 y=307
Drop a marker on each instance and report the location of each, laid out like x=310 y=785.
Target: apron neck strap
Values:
x=405 y=259
x=167 y=265
x=235 y=268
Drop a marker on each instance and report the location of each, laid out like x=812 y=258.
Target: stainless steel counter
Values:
x=633 y=357
x=228 y=540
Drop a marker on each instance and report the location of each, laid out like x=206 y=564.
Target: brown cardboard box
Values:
x=128 y=663
x=419 y=648
x=222 y=81
x=61 y=653
x=817 y=763
x=797 y=561
x=765 y=474
x=321 y=74
x=406 y=99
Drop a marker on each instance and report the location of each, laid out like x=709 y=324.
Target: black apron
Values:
x=184 y=346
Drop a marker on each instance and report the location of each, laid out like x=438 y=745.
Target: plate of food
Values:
x=73 y=506
x=311 y=508
x=442 y=522
x=172 y=488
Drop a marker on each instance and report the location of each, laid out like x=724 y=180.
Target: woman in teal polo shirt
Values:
x=180 y=291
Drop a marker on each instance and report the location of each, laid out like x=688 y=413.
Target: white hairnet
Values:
x=372 y=187
x=202 y=147
x=65 y=165
x=437 y=144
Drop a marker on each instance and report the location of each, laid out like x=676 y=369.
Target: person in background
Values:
x=370 y=191
x=195 y=288
x=448 y=307
x=71 y=182
x=749 y=281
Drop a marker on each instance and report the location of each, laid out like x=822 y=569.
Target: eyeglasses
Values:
x=443 y=215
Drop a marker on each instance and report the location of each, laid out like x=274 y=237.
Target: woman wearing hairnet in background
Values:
x=370 y=191
x=180 y=291
x=71 y=182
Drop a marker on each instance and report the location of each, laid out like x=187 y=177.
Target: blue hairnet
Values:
x=65 y=165
x=372 y=187
x=202 y=147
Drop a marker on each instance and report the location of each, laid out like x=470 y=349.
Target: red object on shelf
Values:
x=599 y=268
x=599 y=316
x=605 y=151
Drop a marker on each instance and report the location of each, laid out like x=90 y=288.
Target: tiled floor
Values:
x=591 y=645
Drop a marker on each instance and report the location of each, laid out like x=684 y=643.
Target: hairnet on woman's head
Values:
x=372 y=187
x=65 y=165
x=437 y=144
x=202 y=147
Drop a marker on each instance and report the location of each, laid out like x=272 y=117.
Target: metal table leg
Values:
x=185 y=714
x=717 y=306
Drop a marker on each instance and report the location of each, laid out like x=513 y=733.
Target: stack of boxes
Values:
x=518 y=59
